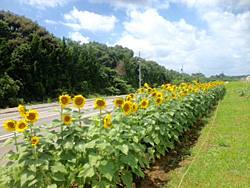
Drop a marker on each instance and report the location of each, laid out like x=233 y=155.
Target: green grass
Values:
x=224 y=159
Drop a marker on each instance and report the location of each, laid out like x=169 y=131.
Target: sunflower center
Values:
x=21 y=126
x=64 y=100
x=31 y=116
x=79 y=101
x=33 y=141
x=11 y=125
x=126 y=107
x=67 y=118
x=100 y=103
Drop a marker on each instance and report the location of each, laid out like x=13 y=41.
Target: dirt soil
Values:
x=158 y=175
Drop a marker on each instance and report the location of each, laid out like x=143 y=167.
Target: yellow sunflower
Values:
x=146 y=85
x=160 y=94
x=141 y=90
x=154 y=95
x=10 y=125
x=22 y=110
x=163 y=86
x=127 y=108
x=134 y=107
x=32 y=116
x=174 y=95
x=167 y=97
x=159 y=101
x=100 y=104
x=132 y=96
x=107 y=122
x=65 y=100
x=186 y=92
x=34 y=141
x=144 y=103
x=150 y=90
x=118 y=102
x=128 y=98
x=79 y=101
x=67 y=119
x=21 y=126
x=180 y=96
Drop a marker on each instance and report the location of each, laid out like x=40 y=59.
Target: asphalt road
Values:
x=47 y=113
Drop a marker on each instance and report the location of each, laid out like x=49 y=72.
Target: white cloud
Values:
x=76 y=36
x=133 y=4
x=78 y=20
x=223 y=47
x=52 y=22
x=45 y=3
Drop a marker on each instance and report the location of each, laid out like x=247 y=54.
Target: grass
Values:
x=224 y=158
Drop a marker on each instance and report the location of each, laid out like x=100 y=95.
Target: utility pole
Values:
x=139 y=71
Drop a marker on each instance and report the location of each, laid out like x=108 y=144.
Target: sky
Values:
x=206 y=36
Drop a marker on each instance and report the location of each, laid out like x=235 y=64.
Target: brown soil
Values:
x=158 y=175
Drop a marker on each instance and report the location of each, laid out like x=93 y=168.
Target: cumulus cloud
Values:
x=76 y=36
x=78 y=20
x=224 y=46
x=142 y=4
x=46 y=3
x=52 y=22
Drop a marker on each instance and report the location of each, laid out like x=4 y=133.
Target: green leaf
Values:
x=99 y=184
x=130 y=159
x=107 y=170
x=93 y=158
x=123 y=148
x=52 y=186
x=127 y=178
x=58 y=167
x=26 y=176
x=9 y=141
x=88 y=171
x=58 y=176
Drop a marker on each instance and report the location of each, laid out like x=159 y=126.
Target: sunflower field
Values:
x=108 y=149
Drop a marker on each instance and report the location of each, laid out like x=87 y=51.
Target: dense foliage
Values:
x=107 y=150
x=37 y=66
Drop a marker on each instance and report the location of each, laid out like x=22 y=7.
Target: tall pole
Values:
x=182 y=74
x=139 y=71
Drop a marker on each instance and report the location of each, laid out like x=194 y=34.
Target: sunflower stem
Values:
x=100 y=127
x=80 y=123
x=61 y=120
x=15 y=141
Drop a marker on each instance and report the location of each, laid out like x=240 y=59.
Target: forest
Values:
x=38 y=67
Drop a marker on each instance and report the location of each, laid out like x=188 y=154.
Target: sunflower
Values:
x=195 y=90
x=10 y=125
x=174 y=95
x=160 y=94
x=65 y=100
x=186 y=92
x=100 y=104
x=180 y=96
x=22 y=110
x=21 y=126
x=150 y=90
x=146 y=85
x=32 y=116
x=159 y=101
x=79 y=101
x=118 y=102
x=154 y=95
x=166 y=98
x=67 y=119
x=127 y=108
x=107 y=122
x=144 y=103
x=134 y=107
x=163 y=86
x=128 y=98
x=141 y=90
x=34 y=141
x=174 y=87
x=132 y=95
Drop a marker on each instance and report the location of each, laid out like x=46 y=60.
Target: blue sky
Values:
x=207 y=36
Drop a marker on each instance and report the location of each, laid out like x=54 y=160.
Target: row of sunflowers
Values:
x=107 y=149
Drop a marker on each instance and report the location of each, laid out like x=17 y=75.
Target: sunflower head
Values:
x=163 y=86
x=146 y=85
x=10 y=125
x=79 y=101
x=32 y=116
x=174 y=95
x=67 y=119
x=160 y=94
x=100 y=104
x=154 y=94
x=186 y=92
x=22 y=110
x=128 y=98
x=118 y=102
x=134 y=108
x=127 y=108
x=34 y=141
x=144 y=103
x=65 y=100
x=21 y=126
x=107 y=122
x=180 y=96
x=132 y=96
x=159 y=101
x=166 y=98
x=150 y=90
